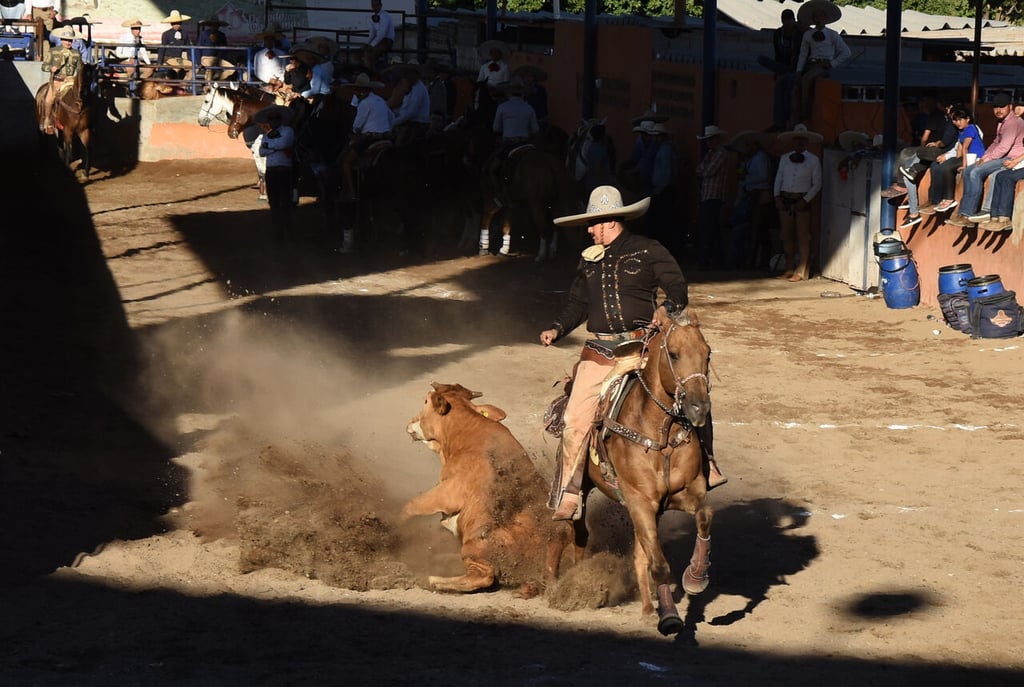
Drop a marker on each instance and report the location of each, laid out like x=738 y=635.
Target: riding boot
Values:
x=566 y=486
x=706 y=436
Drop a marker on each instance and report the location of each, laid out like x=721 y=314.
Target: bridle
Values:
x=679 y=395
x=207 y=109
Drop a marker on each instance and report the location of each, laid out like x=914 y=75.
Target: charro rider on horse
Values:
x=63 y=64
x=374 y=121
x=615 y=287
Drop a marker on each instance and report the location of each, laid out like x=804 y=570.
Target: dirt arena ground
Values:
x=203 y=451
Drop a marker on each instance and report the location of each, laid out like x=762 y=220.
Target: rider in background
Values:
x=63 y=64
x=615 y=287
x=412 y=118
x=373 y=122
x=269 y=63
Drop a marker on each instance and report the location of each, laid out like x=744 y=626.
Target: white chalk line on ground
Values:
x=860 y=425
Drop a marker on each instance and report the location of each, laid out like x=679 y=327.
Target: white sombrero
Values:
x=175 y=17
x=710 y=131
x=808 y=9
x=606 y=203
x=851 y=140
x=800 y=131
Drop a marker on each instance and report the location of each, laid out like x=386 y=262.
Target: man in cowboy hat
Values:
x=821 y=50
x=62 y=63
x=132 y=51
x=797 y=182
x=714 y=187
x=218 y=67
x=412 y=117
x=317 y=53
x=277 y=145
x=269 y=62
x=536 y=95
x=373 y=122
x=494 y=72
x=443 y=95
x=173 y=47
x=382 y=35
x=616 y=282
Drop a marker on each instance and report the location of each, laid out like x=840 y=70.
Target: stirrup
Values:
x=569 y=508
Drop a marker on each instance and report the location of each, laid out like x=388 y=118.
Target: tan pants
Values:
x=795 y=227
x=181 y=64
x=226 y=69
x=579 y=416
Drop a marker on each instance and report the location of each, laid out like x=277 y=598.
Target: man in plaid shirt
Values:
x=712 y=171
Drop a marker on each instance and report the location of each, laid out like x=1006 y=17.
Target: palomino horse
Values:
x=652 y=460
x=71 y=116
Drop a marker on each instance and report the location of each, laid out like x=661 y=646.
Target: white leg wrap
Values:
x=506 y=244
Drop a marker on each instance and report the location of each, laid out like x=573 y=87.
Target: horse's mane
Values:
x=685 y=317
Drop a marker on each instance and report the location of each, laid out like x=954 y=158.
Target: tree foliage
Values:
x=1005 y=10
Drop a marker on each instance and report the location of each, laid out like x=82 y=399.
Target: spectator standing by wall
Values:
x=713 y=172
x=797 y=183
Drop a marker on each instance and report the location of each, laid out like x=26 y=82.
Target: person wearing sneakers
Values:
x=616 y=283
x=796 y=184
x=944 y=169
x=1003 y=192
x=1005 y=147
x=913 y=162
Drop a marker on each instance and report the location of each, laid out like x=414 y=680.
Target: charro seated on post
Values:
x=615 y=284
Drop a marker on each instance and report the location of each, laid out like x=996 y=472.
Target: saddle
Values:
x=371 y=156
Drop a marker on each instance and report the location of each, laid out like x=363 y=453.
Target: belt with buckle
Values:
x=621 y=336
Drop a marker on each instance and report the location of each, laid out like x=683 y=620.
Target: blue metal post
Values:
x=710 y=75
x=422 y=43
x=588 y=94
x=893 y=26
x=492 y=19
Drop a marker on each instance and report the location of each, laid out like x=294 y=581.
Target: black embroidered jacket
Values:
x=618 y=293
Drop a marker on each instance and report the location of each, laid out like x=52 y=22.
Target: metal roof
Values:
x=856 y=21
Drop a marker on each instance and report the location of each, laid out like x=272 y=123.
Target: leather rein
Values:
x=673 y=414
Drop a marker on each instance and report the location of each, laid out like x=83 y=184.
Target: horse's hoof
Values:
x=670 y=625
x=693 y=584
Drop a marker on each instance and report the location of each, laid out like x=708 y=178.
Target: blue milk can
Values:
x=954 y=278
x=901 y=287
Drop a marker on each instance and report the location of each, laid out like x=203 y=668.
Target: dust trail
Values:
x=298 y=452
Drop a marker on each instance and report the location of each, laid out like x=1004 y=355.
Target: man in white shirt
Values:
x=796 y=184
x=132 y=50
x=821 y=49
x=268 y=64
x=382 y=35
x=412 y=119
x=374 y=121
x=277 y=146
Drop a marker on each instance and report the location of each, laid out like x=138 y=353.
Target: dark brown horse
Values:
x=71 y=116
x=652 y=461
x=530 y=179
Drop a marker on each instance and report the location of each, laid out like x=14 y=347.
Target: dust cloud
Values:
x=300 y=456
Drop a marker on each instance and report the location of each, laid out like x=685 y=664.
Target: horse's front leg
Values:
x=644 y=512
x=696 y=576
